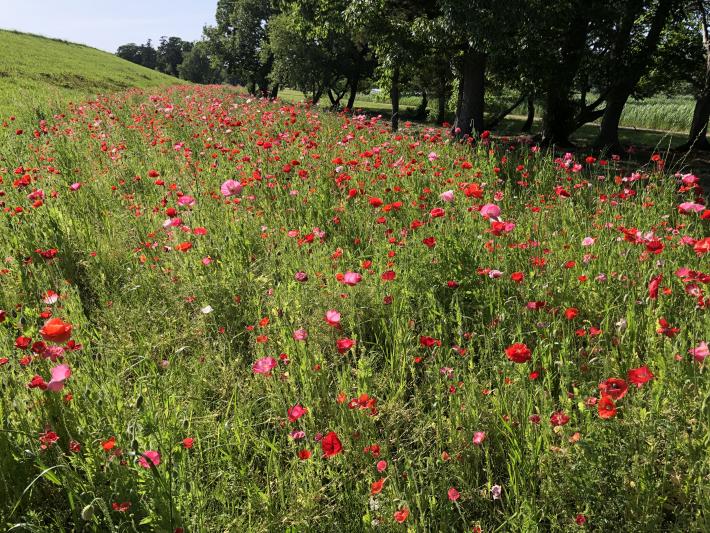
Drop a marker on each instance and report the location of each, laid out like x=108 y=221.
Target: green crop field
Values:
x=38 y=73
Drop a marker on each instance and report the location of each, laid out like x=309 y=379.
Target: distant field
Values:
x=655 y=122
x=39 y=73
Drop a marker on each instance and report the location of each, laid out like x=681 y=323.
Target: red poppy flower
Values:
x=344 y=345
x=559 y=418
x=401 y=515
x=639 y=376
x=606 y=407
x=616 y=388
x=376 y=486
x=331 y=445
x=56 y=330
x=518 y=353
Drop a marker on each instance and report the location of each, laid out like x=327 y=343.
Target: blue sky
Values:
x=106 y=24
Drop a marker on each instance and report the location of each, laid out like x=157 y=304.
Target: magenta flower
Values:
x=149 y=457
x=351 y=278
x=700 y=352
x=264 y=365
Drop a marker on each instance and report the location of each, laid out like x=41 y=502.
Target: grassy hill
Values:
x=37 y=72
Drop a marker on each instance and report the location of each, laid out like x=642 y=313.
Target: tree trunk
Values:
x=421 y=113
x=353 y=92
x=275 y=91
x=697 y=140
x=557 y=120
x=628 y=75
x=470 y=115
x=441 y=107
x=527 y=127
x=609 y=131
x=394 y=98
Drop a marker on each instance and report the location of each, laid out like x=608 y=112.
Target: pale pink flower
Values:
x=687 y=207
x=59 y=375
x=300 y=335
x=186 y=200
x=588 y=241
x=231 y=188
x=332 y=317
x=50 y=297
x=490 y=211
x=479 y=437
x=447 y=196
x=75 y=186
x=433 y=156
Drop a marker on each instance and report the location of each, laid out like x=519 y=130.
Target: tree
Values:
x=197 y=65
x=237 y=41
x=635 y=44
x=143 y=54
x=170 y=54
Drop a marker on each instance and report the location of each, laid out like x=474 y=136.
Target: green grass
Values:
x=169 y=332
x=40 y=73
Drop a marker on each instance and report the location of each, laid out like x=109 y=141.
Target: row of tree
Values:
x=581 y=60
x=176 y=57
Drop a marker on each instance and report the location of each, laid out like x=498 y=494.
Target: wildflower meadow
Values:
x=227 y=313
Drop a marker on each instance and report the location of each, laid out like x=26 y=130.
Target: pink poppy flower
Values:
x=264 y=365
x=453 y=494
x=296 y=412
x=300 y=335
x=75 y=186
x=149 y=457
x=700 y=352
x=351 y=278
x=332 y=317
x=689 y=207
x=186 y=200
x=231 y=188
x=479 y=437
x=588 y=241
x=59 y=375
x=490 y=211
x=447 y=196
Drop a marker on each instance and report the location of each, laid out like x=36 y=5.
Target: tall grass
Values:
x=170 y=333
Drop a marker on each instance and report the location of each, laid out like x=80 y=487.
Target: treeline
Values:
x=579 y=60
x=184 y=59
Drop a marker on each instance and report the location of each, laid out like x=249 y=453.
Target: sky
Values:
x=107 y=24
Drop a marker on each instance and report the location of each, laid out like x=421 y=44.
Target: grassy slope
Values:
x=36 y=71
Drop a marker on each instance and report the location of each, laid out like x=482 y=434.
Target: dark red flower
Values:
x=331 y=445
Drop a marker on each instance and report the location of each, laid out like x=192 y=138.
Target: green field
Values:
x=41 y=73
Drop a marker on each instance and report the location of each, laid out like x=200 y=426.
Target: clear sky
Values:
x=106 y=24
